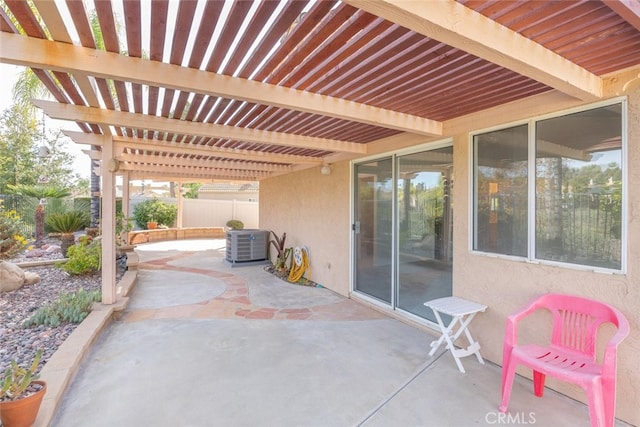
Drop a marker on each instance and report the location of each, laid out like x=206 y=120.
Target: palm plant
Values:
x=67 y=223
x=41 y=193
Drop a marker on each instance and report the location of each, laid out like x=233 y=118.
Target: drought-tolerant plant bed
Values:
x=21 y=343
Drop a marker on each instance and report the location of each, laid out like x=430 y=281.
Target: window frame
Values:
x=531 y=190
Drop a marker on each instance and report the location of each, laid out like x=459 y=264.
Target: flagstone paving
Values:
x=221 y=292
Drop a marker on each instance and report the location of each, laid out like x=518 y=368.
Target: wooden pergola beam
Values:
x=189 y=171
x=122 y=142
x=629 y=10
x=149 y=159
x=64 y=57
x=141 y=121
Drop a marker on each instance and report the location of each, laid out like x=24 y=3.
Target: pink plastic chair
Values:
x=571 y=356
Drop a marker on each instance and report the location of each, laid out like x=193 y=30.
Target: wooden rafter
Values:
x=456 y=25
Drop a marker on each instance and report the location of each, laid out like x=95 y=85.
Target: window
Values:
x=501 y=191
x=567 y=207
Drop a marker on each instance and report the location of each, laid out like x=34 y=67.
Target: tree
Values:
x=82 y=187
x=56 y=169
x=20 y=161
x=193 y=187
x=18 y=133
x=27 y=87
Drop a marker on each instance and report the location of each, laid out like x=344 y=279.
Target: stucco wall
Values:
x=314 y=210
x=505 y=285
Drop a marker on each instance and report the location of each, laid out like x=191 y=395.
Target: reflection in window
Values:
x=579 y=188
x=501 y=191
x=577 y=185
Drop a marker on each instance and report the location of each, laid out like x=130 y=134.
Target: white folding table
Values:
x=462 y=312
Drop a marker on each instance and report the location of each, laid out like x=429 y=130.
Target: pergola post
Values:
x=108 y=224
x=125 y=205
x=179 y=193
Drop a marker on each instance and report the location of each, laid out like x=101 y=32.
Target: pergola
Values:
x=248 y=90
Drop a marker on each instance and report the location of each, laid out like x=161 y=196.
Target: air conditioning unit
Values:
x=246 y=247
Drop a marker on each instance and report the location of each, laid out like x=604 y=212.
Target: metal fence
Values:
x=579 y=228
x=25 y=208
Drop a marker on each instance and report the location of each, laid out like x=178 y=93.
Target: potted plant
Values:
x=21 y=394
x=152 y=224
x=154 y=210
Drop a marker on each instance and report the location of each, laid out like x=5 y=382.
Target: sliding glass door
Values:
x=374 y=229
x=424 y=223
x=403 y=223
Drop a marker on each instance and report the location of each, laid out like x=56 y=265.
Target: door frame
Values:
x=392 y=307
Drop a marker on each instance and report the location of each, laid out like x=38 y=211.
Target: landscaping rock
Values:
x=36 y=253
x=11 y=277
x=31 y=278
x=53 y=249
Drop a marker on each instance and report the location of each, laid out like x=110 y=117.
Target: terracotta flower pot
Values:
x=22 y=412
x=152 y=225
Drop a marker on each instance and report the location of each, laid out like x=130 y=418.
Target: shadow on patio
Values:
x=203 y=344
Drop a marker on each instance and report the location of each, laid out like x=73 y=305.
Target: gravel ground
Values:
x=21 y=344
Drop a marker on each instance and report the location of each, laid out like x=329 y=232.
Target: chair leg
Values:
x=609 y=401
x=538 y=383
x=597 y=412
x=508 y=374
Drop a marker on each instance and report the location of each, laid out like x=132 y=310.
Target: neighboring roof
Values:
x=230 y=187
x=248 y=90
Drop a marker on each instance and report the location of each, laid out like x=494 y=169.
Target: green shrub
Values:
x=60 y=206
x=154 y=210
x=67 y=222
x=11 y=239
x=235 y=224
x=71 y=307
x=82 y=259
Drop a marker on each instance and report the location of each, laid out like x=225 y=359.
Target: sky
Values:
x=8 y=77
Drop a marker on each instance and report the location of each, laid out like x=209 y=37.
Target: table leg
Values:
x=447 y=336
x=474 y=345
x=450 y=337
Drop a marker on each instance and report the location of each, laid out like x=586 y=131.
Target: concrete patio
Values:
x=204 y=344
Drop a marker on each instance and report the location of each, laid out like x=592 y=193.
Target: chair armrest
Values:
x=511 y=332
x=528 y=308
x=611 y=349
